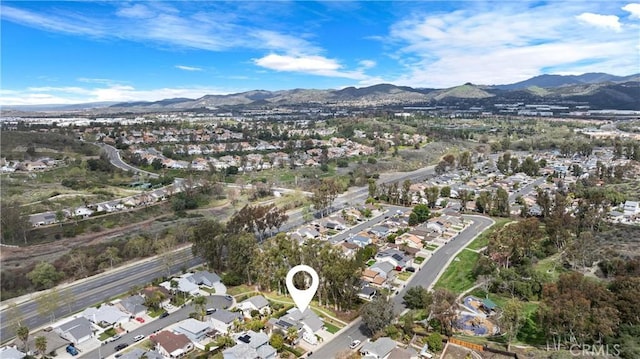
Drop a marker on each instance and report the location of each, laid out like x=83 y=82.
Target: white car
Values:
x=354 y=344
x=138 y=338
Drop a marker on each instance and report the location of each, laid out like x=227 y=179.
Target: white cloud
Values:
x=309 y=64
x=633 y=9
x=188 y=68
x=367 y=64
x=118 y=93
x=603 y=21
x=505 y=43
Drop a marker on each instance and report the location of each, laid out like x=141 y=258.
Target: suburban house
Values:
x=378 y=349
x=349 y=249
x=195 y=330
x=308 y=323
x=137 y=353
x=360 y=240
x=132 y=305
x=182 y=285
x=106 y=315
x=257 y=302
x=393 y=256
x=205 y=278
x=367 y=293
x=76 y=331
x=410 y=240
x=222 y=320
x=373 y=277
x=172 y=345
x=384 y=269
x=251 y=345
x=11 y=353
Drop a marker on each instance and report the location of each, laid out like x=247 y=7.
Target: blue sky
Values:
x=71 y=52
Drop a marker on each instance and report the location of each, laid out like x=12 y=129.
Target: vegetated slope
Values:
x=15 y=143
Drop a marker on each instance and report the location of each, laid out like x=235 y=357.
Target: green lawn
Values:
x=431 y=247
x=551 y=266
x=403 y=276
x=331 y=328
x=418 y=260
x=483 y=239
x=458 y=277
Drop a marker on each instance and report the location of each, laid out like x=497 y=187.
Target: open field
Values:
x=458 y=277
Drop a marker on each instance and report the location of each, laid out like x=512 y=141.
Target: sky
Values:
x=77 y=52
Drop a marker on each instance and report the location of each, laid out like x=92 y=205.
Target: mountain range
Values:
x=597 y=90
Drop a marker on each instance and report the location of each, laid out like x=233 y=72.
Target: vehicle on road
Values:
x=354 y=344
x=138 y=338
x=121 y=346
x=113 y=338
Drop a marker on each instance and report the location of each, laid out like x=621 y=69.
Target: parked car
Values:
x=138 y=338
x=121 y=346
x=410 y=269
x=141 y=320
x=72 y=350
x=354 y=344
x=113 y=338
x=164 y=314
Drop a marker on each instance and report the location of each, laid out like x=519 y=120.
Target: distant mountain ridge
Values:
x=598 y=90
x=564 y=80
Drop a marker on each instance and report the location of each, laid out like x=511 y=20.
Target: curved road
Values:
x=114 y=157
x=425 y=277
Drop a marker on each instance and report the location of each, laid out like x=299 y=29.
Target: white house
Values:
x=378 y=349
x=195 y=330
x=76 y=331
x=251 y=345
x=106 y=314
x=222 y=320
x=257 y=302
x=11 y=353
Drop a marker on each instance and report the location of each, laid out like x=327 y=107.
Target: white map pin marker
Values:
x=302 y=298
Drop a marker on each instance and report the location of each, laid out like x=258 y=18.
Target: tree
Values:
x=41 y=345
x=512 y=319
x=225 y=341
x=200 y=304
x=14 y=223
x=67 y=297
x=417 y=298
x=48 y=303
x=501 y=203
x=208 y=243
x=445 y=192
x=434 y=341
x=377 y=314
x=443 y=309
x=419 y=214
x=23 y=334
x=291 y=335
x=432 y=194
x=44 y=275
x=277 y=341
x=111 y=254
x=464 y=160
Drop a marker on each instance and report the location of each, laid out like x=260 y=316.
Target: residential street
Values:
x=425 y=277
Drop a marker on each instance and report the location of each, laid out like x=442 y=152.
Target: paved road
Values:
x=101 y=287
x=214 y=301
x=425 y=277
x=114 y=156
